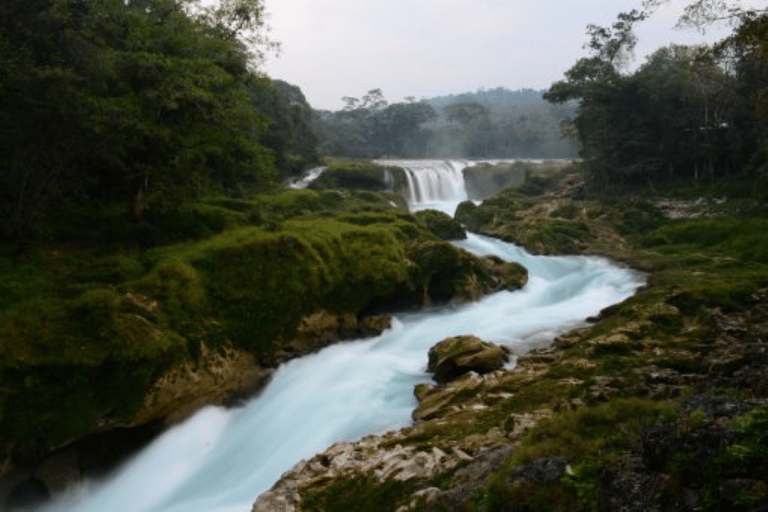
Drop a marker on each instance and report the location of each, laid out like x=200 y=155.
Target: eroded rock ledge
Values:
x=395 y=456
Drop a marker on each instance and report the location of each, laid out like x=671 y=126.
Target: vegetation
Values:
x=147 y=104
x=496 y=123
x=362 y=175
x=84 y=333
x=686 y=114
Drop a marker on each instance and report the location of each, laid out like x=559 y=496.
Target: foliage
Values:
x=84 y=333
x=681 y=115
x=580 y=436
x=123 y=101
x=360 y=174
x=290 y=134
x=497 y=123
x=373 y=129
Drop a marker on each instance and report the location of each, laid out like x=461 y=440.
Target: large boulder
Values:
x=458 y=355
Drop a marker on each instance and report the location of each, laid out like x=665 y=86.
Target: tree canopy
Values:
x=495 y=123
x=686 y=113
x=141 y=101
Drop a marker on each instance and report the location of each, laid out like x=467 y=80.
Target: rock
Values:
x=322 y=328
x=545 y=470
x=60 y=471
x=617 y=343
x=456 y=356
x=628 y=486
x=439 y=401
x=27 y=495
x=715 y=406
x=218 y=376
x=379 y=456
x=467 y=480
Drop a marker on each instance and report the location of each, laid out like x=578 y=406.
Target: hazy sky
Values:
x=425 y=48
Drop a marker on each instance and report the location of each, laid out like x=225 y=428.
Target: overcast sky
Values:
x=426 y=48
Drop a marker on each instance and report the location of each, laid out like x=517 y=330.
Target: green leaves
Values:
x=111 y=100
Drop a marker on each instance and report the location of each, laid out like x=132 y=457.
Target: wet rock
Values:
x=219 y=376
x=60 y=470
x=456 y=356
x=27 y=495
x=323 y=328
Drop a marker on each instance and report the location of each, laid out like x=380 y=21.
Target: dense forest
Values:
x=494 y=123
x=687 y=113
x=144 y=102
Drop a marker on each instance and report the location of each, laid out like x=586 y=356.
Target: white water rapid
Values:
x=220 y=460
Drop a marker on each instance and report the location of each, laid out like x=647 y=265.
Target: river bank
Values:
x=659 y=402
x=104 y=348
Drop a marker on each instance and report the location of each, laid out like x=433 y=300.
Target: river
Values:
x=221 y=459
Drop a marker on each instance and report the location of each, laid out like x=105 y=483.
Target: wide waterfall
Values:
x=433 y=181
x=221 y=459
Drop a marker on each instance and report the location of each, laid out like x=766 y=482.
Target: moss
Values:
x=356 y=493
x=468 y=214
x=548 y=237
x=55 y=403
x=441 y=224
x=580 y=437
x=360 y=174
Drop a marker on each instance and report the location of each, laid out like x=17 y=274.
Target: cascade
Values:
x=310 y=176
x=221 y=459
x=431 y=181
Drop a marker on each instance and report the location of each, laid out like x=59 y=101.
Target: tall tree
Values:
x=135 y=100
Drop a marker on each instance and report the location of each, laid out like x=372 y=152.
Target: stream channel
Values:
x=220 y=459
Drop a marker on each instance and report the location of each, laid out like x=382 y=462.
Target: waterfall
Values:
x=431 y=181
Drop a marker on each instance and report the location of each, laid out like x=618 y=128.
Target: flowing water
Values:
x=221 y=459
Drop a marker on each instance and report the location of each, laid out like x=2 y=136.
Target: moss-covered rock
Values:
x=446 y=273
x=458 y=355
x=362 y=175
x=441 y=224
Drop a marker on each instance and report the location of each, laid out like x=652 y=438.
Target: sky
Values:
x=427 y=48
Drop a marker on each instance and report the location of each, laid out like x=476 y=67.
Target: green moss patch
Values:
x=361 y=175
x=441 y=224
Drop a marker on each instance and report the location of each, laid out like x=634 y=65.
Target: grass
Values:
x=585 y=437
x=360 y=492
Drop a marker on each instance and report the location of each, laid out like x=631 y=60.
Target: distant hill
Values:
x=488 y=123
x=498 y=97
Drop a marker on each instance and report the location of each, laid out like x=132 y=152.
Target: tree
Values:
x=138 y=101
x=291 y=132
x=702 y=13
